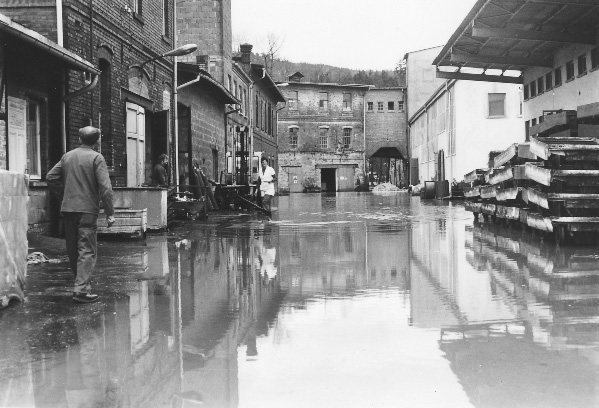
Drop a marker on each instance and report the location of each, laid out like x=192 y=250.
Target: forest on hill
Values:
x=281 y=69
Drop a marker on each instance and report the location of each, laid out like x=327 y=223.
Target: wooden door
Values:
x=295 y=179
x=346 y=178
x=136 y=149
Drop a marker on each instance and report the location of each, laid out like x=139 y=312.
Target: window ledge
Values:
x=497 y=117
x=139 y=18
x=37 y=183
x=557 y=86
x=166 y=39
x=570 y=80
x=582 y=74
x=594 y=69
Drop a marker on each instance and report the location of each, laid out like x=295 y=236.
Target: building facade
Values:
x=322 y=137
x=130 y=101
x=454 y=131
x=386 y=135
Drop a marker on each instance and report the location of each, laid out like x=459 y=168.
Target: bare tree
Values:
x=275 y=43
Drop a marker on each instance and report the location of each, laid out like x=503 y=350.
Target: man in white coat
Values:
x=267 y=185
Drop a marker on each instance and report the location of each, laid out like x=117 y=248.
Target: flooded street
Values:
x=343 y=300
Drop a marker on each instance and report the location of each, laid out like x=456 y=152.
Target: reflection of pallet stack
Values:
x=551 y=184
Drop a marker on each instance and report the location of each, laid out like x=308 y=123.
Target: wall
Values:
x=474 y=133
x=309 y=119
x=421 y=76
x=207 y=23
x=580 y=91
x=207 y=128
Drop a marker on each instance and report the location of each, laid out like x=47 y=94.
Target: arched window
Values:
x=106 y=110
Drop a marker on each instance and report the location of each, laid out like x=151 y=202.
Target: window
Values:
x=293 y=138
x=292 y=101
x=582 y=64
x=347 y=137
x=256 y=112
x=165 y=25
x=380 y=106
x=533 y=122
x=391 y=106
x=557 y=74
x=241 y=99
x=323 y=103
x=106 y=109
x=229 y=82
x=533 y=89
x=346 y=102
x=324 y=138
x=569 y=70
x=526 y=92
x=370 y=106
x=400 y=106
x=595 y=58
x=496 y=105
x=33 y=139
x=549 y=81
x=540 y=85
x=235 y=87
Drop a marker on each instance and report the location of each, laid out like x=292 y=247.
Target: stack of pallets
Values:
x=550 y=184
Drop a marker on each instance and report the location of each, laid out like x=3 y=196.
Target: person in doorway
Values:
x=80 y=180
x=159 y=174
x=267 y=186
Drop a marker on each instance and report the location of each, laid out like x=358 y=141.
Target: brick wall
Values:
x=207 y=128
x=207 y=23
x=386 y=124
x=37 y=15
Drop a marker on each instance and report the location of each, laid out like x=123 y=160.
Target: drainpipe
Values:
x=277 y=130
x=59 y=32
x=364 y=131
x=251 y=149
x=87 y=88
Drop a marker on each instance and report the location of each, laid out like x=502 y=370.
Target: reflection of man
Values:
x=81 y=180
x=159 y=175
x=267 y=185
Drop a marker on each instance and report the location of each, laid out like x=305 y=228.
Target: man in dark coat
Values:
x=159 y=175
x=81 y=182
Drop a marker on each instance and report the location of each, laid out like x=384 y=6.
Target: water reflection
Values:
x=410 y=306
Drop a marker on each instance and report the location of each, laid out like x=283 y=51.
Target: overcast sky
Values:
x=353 y=34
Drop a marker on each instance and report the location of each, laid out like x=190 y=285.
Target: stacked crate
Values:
x=498 y=191
x=564 y=190
x=14 y=202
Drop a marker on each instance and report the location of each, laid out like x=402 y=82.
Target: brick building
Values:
x=386 y=135
x=321 y=137
x=130 y=101
x=202 y=107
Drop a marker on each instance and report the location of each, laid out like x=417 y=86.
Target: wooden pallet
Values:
x=128 y=222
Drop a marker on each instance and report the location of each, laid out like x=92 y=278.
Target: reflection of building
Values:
x=331 y=259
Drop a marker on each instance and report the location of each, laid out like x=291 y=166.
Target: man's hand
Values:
x=110 y=220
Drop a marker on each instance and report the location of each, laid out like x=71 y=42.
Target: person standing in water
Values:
x=267 y=186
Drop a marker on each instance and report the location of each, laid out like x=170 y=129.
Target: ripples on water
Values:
x=343 y=300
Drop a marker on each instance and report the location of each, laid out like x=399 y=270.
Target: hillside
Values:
x=280 y=70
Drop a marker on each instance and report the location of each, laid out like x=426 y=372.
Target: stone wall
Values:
x=13 y=236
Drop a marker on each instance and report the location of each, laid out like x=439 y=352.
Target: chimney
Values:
x=202 y=61
x=246 y=53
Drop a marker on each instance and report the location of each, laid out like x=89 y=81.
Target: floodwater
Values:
x=343 y=300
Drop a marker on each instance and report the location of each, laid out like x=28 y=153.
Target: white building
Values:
x=457 y=127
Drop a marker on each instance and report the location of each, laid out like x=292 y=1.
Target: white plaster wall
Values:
x=476 y=133
x=421 y=78
x=580 y=91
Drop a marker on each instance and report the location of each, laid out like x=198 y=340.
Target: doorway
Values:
x=295 y=179
x=328 y=179
x=136 y=146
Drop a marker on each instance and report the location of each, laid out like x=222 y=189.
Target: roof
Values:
x=206 y=80
x=262 y=74
x=331 y=84
x=71 y=59
x=513 y=35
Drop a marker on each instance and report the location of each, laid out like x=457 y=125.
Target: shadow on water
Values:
x=363 y=299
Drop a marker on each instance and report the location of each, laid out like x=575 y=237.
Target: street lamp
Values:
x=177 y=52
